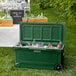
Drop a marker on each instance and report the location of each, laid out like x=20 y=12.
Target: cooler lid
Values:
x=41 y=31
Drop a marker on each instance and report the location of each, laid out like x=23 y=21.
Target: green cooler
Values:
x=41 y=46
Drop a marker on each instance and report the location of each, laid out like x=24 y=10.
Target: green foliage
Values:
x=65 y=7
x=44 y=4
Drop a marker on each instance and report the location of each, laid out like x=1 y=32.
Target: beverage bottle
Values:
x=50 y=46
x=59 y=45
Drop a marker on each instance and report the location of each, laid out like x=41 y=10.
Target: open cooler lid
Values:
x=30 y=31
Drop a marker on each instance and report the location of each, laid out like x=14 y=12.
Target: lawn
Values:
x=7 y=54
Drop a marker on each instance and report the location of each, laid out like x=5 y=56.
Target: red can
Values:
x=49 y=46
x=20 y=44
x=59 y=45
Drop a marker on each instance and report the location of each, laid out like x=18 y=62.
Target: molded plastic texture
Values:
x=41 y=31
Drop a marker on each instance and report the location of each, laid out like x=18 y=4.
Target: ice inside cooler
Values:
x=36 y=44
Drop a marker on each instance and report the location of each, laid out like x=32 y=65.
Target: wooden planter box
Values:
x=35 y=19
x=6 y=22
x=38 y=20
x=24 y=19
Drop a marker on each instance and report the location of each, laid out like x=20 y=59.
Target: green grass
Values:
x=7 y=54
